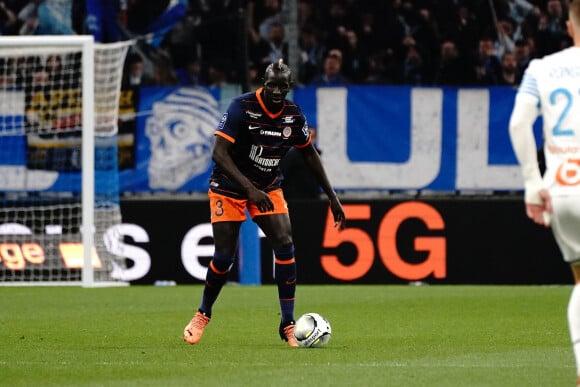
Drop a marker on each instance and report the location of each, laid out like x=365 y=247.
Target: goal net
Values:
x=59 y=188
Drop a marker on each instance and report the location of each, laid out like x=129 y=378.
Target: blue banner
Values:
x=403 y=138
x=372 y=138
x=174 y=140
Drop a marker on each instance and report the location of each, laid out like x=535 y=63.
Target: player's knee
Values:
x=222 y=262
x=281 y=239
x=284 y=252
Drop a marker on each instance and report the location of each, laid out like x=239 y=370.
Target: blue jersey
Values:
x=260 y=140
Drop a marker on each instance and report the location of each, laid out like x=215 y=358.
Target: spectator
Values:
x=8 y=20
x=506 y=42
x=254 y=77
x=164 y=74
x=551 y=30
x=519 y=10
x=53 y=67
x=7 y=75
x=134 y=75
x=426 y=36
x=28 y=18
x=216 y=34
x=266 y=51
x=509 y=70
x=217 y=75
x=523 y=13
x=355 y=54
x=371 y=32
x=182 y=42
x=523 y=56
x=395 y=29
x=311 y=54
x=55 y=18
x=190 y=74
x=307 y=14
x=331 y=74
x=453 y=69
x=487 y=64
x=378 y=69
x=336 y=21
x=458 y=24
x=24 y=69
x=414 y=70
x=269 y=13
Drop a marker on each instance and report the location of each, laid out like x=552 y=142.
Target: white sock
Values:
x=574 y=323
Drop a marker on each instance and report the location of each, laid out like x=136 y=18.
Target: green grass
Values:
x=382 y=336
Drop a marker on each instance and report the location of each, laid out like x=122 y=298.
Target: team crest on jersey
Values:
x=287 y=132
x=222 y=121
x=253 y=114
x=288 y=120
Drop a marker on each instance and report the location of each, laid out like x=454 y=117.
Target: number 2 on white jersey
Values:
x=557 y=130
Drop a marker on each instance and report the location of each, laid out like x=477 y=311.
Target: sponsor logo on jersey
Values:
x=563 y=150
x=253 y=115
x=288 y=120
x=568 y=173
x=252 y=127
x=256 y=156
x=270 y=133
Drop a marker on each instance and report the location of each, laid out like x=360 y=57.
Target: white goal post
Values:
x=59 y=101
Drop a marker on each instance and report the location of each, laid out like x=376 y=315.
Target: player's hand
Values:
x=540 y=214
x=338 y=213
x=261 y=200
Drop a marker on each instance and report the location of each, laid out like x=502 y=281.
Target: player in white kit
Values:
x=551 y=88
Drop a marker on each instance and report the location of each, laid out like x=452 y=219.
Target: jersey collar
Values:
x=263 y=105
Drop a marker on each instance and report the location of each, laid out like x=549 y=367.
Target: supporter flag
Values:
x=102 y=18
x=175 y=11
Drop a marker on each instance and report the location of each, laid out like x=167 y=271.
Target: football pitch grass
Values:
x=382 y=336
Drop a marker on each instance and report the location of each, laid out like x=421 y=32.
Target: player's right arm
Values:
x=524 y=114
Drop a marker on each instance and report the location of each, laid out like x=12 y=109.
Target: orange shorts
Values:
x=226 y=209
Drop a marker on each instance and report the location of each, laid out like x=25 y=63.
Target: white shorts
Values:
x=566 y=226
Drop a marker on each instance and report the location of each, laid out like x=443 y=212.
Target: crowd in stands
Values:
x=412 y=42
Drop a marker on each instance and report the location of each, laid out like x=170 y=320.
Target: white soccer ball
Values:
x=312 y=330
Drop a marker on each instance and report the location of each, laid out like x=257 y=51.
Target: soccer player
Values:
x=551 y=87
x=253 y=136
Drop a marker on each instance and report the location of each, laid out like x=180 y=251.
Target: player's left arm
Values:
x=312 y=159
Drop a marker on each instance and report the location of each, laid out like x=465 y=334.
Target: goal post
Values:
x=59 y=188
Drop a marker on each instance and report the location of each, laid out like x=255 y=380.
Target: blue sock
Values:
x=217 y=274
x=285 y=272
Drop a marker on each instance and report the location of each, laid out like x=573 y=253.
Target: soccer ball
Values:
x=312 y=330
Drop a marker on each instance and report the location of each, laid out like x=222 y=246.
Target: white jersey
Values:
x=551 y=87
x=552 y=84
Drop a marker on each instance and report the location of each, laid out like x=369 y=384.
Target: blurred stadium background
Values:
x=411 y=100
